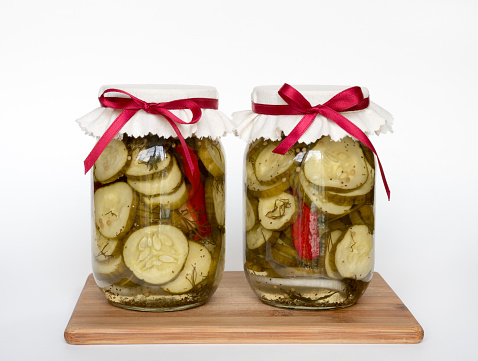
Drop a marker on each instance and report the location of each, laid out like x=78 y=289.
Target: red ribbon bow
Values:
x=132 y=105
x=347 y=100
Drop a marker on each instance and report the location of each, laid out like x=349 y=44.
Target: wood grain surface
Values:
x=235 y=315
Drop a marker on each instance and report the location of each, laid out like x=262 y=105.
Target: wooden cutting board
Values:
x=235 y=315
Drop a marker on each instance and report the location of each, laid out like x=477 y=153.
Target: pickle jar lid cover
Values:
x=212 y=123
x=250 y=125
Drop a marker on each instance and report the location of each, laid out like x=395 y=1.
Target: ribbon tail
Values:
x=356 y=132
x=184 y=145
x=295 y=135
x=106 y=138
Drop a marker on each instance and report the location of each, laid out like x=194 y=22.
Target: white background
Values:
x=418 y=59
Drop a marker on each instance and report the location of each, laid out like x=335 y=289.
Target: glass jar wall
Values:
x=309 y=224
x=158 y=225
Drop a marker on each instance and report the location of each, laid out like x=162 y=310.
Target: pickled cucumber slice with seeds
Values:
x=259 y=190
x=163 y=183
x=278 y=212
x=112 y=163
x=115 y=208
x=215 y=201
x=148 y=161
x=313 y=194
x=270 y=167
x=251 y=217
x=331 y=239
x=336 y=165
x=104 y=248
x=196 y=269
x=171 y=200
x=357 y=195
x=354 y=254
x=212 y=156
x=156 y=254
x=258 y=236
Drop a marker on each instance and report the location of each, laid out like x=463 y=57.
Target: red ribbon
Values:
x=132 y=104
x=347 y=100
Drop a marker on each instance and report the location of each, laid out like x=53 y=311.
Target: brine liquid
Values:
x=154 y=299
x=306 y=293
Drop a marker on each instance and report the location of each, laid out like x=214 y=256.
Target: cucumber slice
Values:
x=148 y=161
x=367 y=214
x=104 y=248
x=283 y=255
x=251 y=212
x=156 y=254
x=196 y=269
x=115 y=208
x=357 y=195
x=163 y=183
x=354 y=255
x=278 y=212
x=336 y=165
x=315 y=195
x=212 y=156
x=270 y=167
x=331 y=240
x=111 y=164
x=109 y=271
x=171 y=200
x=215 y=201
x=259 y=190
x=258 y=235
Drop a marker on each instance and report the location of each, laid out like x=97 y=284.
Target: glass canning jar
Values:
x=159 y=214
x=309 y=213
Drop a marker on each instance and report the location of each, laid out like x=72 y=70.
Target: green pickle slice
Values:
x=156 y=254
x=196 y=269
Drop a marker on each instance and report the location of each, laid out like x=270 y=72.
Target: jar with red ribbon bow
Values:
x=309 y=193
x=158 y=172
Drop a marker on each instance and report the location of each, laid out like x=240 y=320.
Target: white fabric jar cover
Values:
x=250 y=126
x=213 y=123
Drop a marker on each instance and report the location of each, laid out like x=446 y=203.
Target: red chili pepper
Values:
x=196 y=200
x=305 y=233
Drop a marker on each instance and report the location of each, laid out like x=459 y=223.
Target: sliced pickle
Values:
x=156 y=254
x=171 y=200
x=354 y=253
x=315 y=195
x=104 y=248
x=147 y=161
x=278 y=212
x=259 y=190
x=215 y=200
x=163 y=183
x=251 y=212
x=258 y=236
x=331 y=239
x=283 y=255
x=336 y=165
x=196 y=269
x=357 y=195
x=367 y=215
x=115 y=208
x=110 y=270
x=270 y=167
x=211 y=155
x=112 y=163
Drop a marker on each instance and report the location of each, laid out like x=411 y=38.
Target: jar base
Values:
x=306 y=293
x=157 y=309
x=131 y=299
